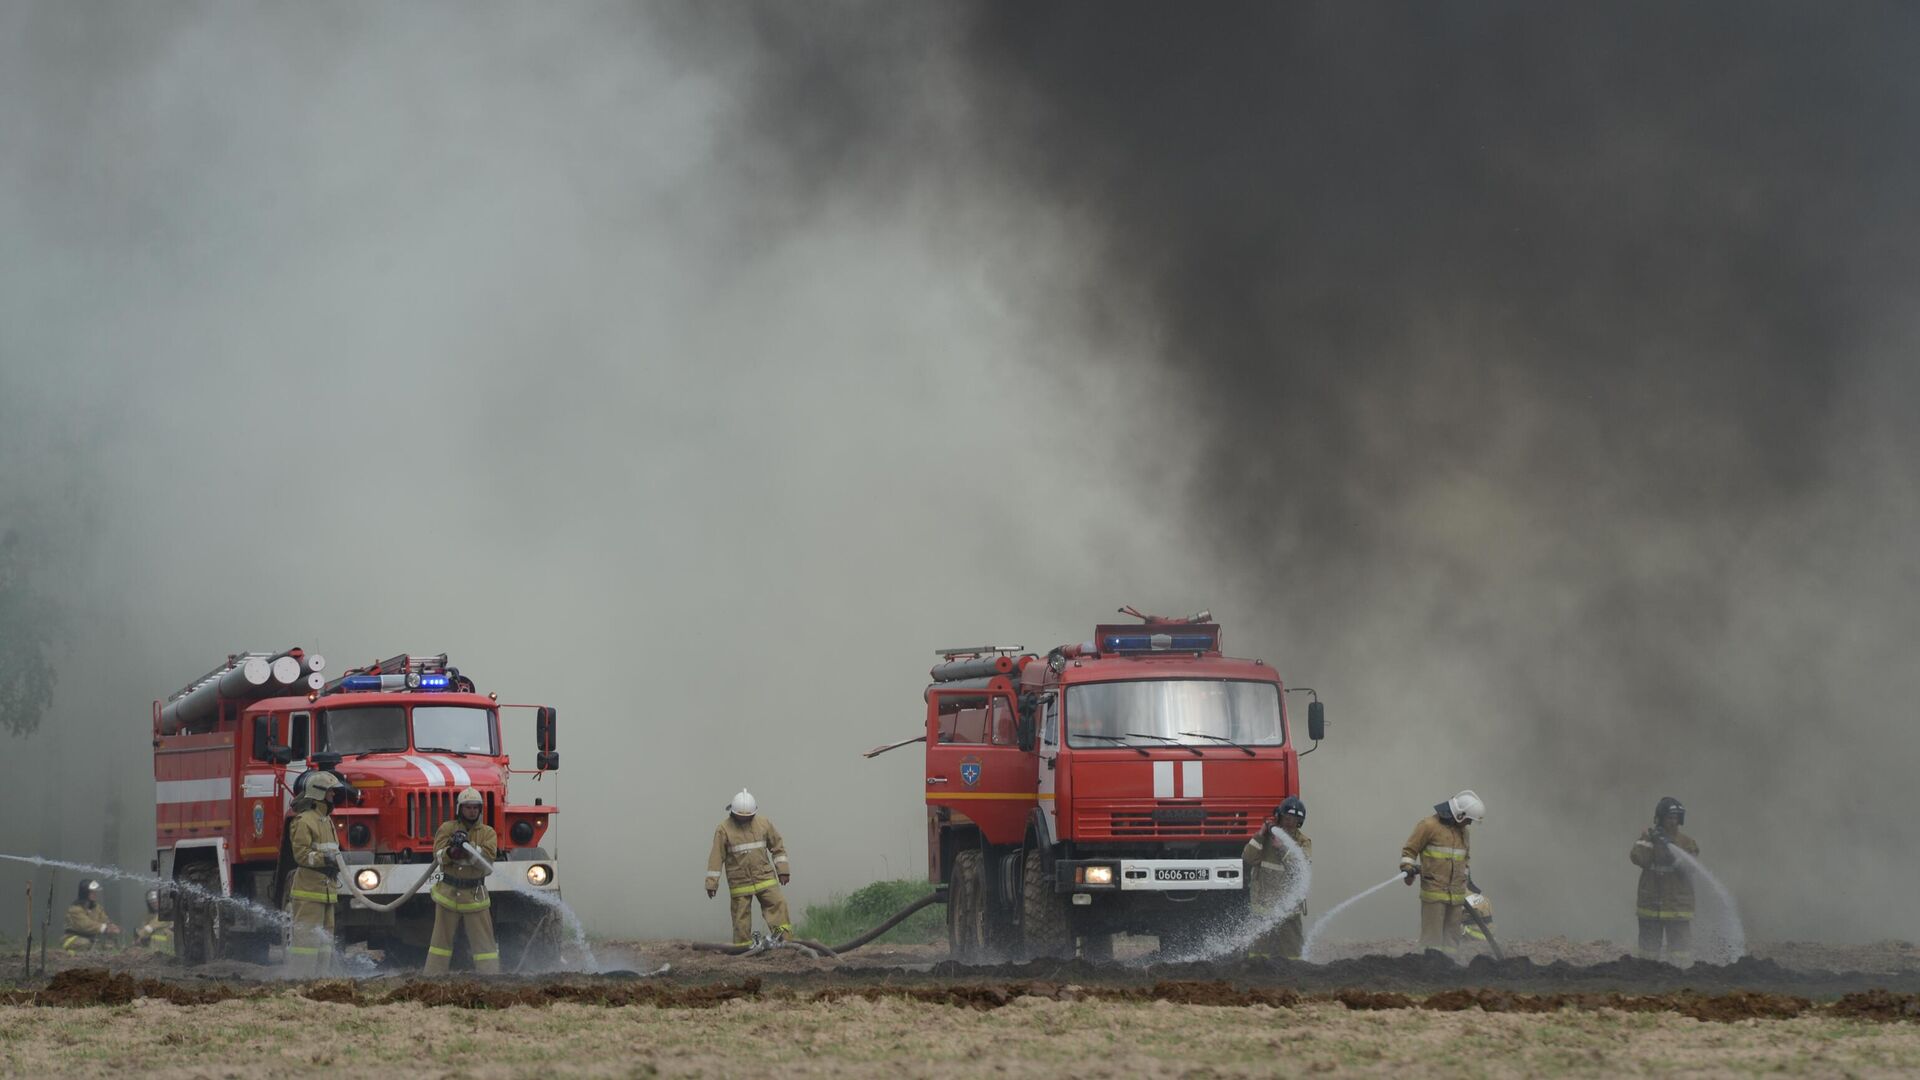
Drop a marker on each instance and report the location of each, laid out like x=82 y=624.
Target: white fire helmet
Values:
x=744 y=804
x=1467 y=806
x=470 y=797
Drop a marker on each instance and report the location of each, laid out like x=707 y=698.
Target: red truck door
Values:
x=975 y=765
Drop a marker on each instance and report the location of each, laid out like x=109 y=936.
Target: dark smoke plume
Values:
x=1535 y=375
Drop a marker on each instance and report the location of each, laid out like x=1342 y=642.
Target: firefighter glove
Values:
x=711 y=892
x=329 y=865
x=784 y=878
x=1410 y=875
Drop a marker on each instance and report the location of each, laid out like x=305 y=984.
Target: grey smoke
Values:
x=1534 y=384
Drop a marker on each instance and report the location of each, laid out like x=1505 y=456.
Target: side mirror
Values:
x=1316 y=721
x=546 y=760
x=544 y=721
x=1023 y=732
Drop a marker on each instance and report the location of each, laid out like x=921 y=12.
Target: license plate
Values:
x=1180 y=875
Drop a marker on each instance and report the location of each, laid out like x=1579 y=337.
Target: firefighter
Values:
x=748 y=849
x=316 y=862
x=460 y=896
x=1665 y=901
x=88 y=927
x=156 y=934
x=1436 y=856
x=1269 y=866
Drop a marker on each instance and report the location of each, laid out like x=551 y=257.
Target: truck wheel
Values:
x=967 y=909
x=194 y=915
x=1045 y=917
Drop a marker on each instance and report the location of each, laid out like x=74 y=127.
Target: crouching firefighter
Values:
x=749 y=851
x=460 y=896
x=1436 y=856
x=88 y=926
x=316 y=861
x=156 y=934
x=1273 y=870
x=1664 y=903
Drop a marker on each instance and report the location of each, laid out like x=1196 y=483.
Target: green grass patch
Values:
x=846 y=917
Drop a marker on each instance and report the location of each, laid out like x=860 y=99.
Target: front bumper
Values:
x=1148 y=875
x=397 y=878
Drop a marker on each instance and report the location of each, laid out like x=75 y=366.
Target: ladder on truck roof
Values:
x=234 y=660
x=402 y=664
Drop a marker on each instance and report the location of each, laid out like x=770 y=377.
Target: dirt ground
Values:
x=1553 y=1008
x=281 y=1033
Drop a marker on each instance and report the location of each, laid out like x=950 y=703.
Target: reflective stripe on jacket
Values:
x=749 y=854
x=1438 y=849
x=1666 y=889
x=1266 y=860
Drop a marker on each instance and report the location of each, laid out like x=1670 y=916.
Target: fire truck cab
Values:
x=1106 y=787
x=408 y=734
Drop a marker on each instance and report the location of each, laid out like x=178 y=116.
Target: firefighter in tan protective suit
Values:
x=310 y=890
x=1664 y=904
x=1436 y=856
x=156 y=934
x=1271 y=870
x=749 y=851
x=460 y=897
x=88 y=926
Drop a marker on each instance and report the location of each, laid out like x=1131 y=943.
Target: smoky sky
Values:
x=1538 y=377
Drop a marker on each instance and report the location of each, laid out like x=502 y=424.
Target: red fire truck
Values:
x=1106 y=787
x=408 y=734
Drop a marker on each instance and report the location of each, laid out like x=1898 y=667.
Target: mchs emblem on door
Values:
x=970 y=770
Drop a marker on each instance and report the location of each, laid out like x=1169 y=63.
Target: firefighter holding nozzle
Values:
x=460 y=896
x=1272 y=867
x=316 y=861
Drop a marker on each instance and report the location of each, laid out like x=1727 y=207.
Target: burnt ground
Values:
x=1871 y=982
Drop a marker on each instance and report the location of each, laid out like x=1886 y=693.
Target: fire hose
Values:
x=892 y=921
x=432 y=872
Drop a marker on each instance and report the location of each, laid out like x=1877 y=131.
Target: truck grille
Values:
x=427 y=809
x=1149 y=820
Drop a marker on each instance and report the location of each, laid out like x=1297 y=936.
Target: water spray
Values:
x=1734 y=934
x=1244 y=933
x=277 y=918
x=1320 y=924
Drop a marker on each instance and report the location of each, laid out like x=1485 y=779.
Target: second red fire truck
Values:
x=1106 y=787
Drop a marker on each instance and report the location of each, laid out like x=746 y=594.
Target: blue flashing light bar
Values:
x=435 y=682
x=1157 y=643
x=360 y=682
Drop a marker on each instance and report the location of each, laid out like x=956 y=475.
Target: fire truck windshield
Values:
x=456 y=728
x=369 y=729
x=1174 y=710
x=376 y=729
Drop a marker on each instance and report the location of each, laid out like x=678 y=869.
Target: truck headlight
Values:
x=1099 y=875
x=367 y=880
x=539 y=874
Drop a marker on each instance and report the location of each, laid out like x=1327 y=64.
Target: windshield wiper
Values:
x=1141 y=750
x=440 y=750
x=1194 y=750
x=380 y=750
x=1221 y=738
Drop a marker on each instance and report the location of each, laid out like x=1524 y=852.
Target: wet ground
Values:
x=1550 y=974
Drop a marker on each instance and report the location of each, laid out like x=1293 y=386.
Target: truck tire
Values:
x=1046 y=918
x=967 y=908
x=195 y=933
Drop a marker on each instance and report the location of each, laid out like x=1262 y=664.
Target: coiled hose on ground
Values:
x=892 y=921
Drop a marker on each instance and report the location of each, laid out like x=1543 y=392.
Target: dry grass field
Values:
x=460 y=1029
